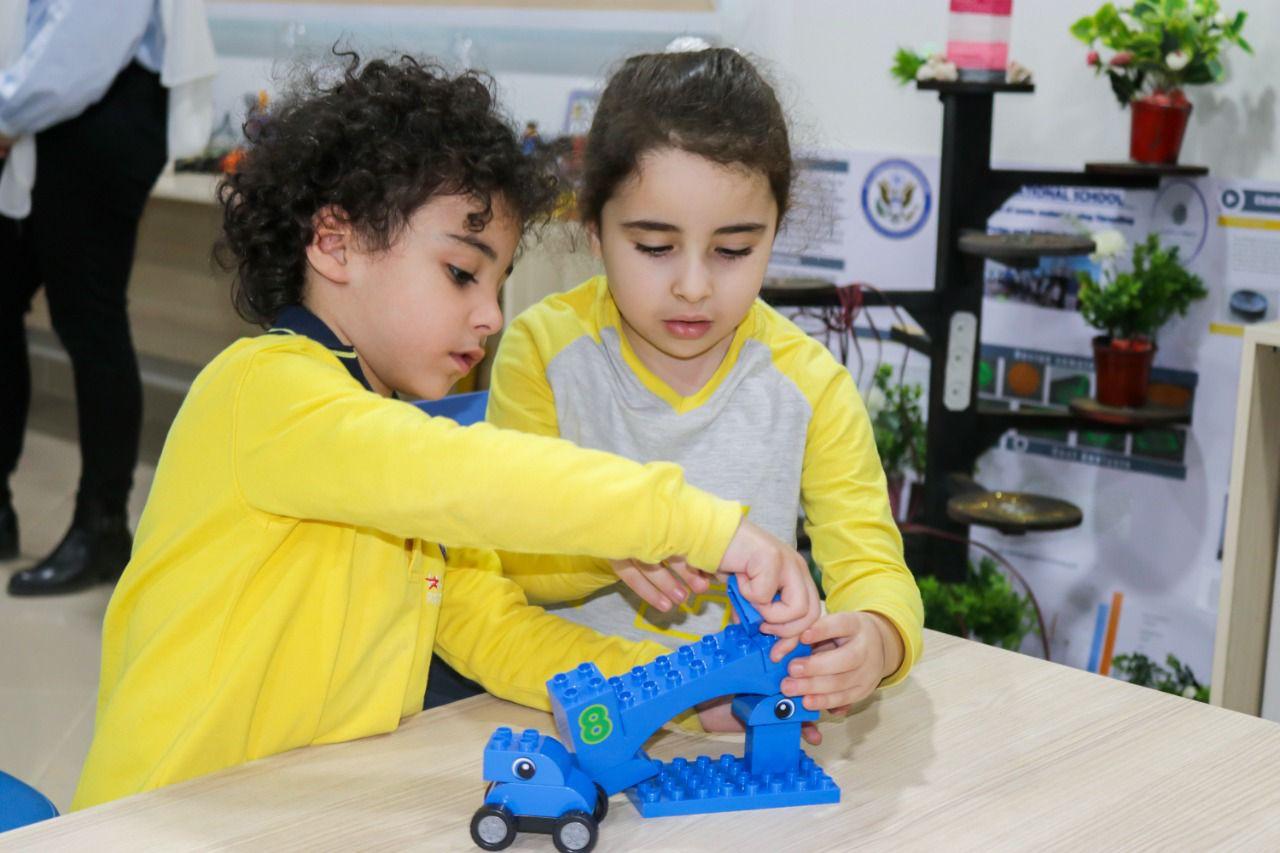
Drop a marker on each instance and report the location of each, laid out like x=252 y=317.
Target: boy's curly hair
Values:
x=377 y=144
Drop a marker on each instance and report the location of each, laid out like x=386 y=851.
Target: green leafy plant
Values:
x=898 y=424
x=907 y=64
x=985 y=606
x=1177 y=679
x=1160 y=45
x=1135 y=304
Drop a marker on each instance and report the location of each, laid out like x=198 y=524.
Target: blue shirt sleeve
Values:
x=73 y=51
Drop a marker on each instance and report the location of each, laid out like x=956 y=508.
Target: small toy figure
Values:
x=530 y=140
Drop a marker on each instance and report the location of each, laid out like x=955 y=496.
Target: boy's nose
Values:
x=488 y=317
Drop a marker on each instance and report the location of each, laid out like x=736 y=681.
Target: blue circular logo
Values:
x=896 y=199
x=1230 y=199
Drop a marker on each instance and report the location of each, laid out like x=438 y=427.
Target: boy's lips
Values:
x=688 y=328
x=467 y=359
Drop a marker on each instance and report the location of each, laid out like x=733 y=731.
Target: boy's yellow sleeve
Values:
x=309 y=443
x=520 y=398
x=848 y=519
x=488 y=632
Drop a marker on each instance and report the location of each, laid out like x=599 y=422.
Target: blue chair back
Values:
x=20 y=804
x=466 y=409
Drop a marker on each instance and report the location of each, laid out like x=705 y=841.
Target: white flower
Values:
x=1189 y=692
x=1018 y=73
x=1107 y=244
x=1176 y=60
x=946 y=72
x=925 y=72
x=1220 y=19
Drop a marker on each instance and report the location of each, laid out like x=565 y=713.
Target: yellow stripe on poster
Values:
x=1249 y=222
x=1231 y=330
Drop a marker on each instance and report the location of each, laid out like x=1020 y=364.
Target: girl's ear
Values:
x=331 y=238
x=593 y=234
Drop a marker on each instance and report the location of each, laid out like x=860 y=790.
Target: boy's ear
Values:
x=331 y=239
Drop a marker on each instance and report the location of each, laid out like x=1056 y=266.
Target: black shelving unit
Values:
x=969 y=192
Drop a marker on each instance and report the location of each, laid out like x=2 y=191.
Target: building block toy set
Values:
x=537 y=785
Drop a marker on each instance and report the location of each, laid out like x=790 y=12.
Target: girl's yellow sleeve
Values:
x=847 y=516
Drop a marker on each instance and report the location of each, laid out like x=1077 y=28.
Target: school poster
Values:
x=1142 y=573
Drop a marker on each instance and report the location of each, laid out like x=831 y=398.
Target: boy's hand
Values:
x=852 y=653
x=664 y=585
x=766 y=566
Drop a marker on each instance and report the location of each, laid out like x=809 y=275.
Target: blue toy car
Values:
x=536 y=785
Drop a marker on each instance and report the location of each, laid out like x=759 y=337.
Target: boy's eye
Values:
x=655 y=251
x=734 y=253
x=459 y=276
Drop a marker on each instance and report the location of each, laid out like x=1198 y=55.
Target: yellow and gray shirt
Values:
x=285 y=587
x=779 y=427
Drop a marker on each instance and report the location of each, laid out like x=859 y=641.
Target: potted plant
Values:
x=1156 y=48
x=1178 y=679
x=984 y=607
x=898 y=425
x=1129 y=308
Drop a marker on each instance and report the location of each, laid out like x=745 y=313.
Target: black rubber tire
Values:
x=503 y=814
x=602 y=805
x=573 y=824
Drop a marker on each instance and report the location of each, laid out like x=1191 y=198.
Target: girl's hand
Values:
x=852 y=653
x=664 y=585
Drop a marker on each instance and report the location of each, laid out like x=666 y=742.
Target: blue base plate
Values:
x=706 y=785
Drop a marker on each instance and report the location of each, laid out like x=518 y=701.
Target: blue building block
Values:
x=608 y=720
x=548 y=782
x=773 y=731
x=536 y=786
x=707 y=785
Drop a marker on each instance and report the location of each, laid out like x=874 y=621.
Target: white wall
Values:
x=832 y=58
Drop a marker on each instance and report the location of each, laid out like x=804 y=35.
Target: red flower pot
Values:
x=1123 y=367
x=1158 y=124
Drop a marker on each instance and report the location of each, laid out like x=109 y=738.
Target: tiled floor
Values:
x=49 y=647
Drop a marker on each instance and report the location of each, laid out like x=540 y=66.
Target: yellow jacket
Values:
x=285 y=589
x=779 y=427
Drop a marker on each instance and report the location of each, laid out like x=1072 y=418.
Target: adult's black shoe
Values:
x=8 y=532
x=95 y=550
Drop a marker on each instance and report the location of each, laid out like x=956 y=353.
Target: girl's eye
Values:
x=734 y=253
x=459 y=276
x=654 y=251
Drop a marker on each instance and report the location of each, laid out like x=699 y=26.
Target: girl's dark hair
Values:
x=713 y=103
x=377 y=144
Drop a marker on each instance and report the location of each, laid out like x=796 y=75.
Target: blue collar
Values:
x=297 y=320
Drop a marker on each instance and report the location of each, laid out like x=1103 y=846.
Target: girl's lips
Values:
x=687 y=329
x=465 y=361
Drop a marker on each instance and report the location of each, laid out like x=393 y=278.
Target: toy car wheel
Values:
x=602 y=804
x=574 y=832
x=493 y=828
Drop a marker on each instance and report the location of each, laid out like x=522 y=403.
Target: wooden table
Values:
x=979 y=749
